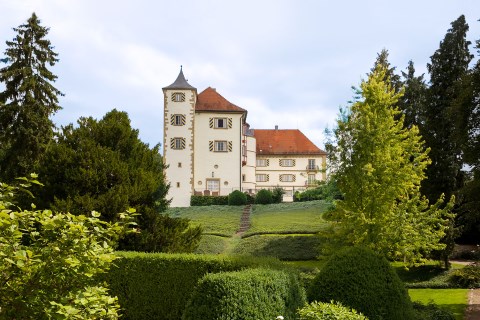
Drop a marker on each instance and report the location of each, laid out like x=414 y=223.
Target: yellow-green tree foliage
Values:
x=380 y=167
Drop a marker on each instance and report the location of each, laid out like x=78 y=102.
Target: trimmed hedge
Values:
x=360 y=279
x=208 y=200
x=237 y=198
x=158 y=285
x=249 y=295
x=329 y=311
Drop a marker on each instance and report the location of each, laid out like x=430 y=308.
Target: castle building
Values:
x=209 y=149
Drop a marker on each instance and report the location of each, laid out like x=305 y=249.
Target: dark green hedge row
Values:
x=158 y=286
x=249 y=295
x=208 y=200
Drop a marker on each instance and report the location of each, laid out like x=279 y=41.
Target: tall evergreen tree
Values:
x=449 y=64
x=380 y=167
x=413 y=101
x=29 y=99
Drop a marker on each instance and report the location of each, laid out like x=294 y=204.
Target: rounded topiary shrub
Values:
x=364 y=281
x=264 y=196
x=237 y=198
x=251 y=294
x=329 y=311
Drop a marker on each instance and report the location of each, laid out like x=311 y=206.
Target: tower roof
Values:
x=278 y=142
x=210 y=100
x=180 y=83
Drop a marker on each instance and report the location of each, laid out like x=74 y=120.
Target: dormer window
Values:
x=178 y=97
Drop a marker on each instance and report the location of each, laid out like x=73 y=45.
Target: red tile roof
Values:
x=210 y=100
x=277 y=142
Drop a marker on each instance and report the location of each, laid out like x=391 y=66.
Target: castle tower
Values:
x=178 y=123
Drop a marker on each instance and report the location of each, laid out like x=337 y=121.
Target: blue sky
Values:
x=289 y=63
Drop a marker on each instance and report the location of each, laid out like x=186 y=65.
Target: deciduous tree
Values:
x=380 y=167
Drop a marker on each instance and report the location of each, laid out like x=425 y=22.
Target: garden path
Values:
x=245 y=220
x=473 y=309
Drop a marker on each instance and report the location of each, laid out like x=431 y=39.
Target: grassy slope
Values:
x=223 y=220
x=454 y=300
x=291 y=217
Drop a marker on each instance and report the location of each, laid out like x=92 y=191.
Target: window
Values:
x=243 y=178
x=262 y=162
x=178 y=184
x=221 y=146
x=311 y=164
x=244 y=150
x=177 y=120
x=213 y=184
x=179 y=164
x=178 y=96
x=287 y=178
x=177 y=143
x=220 y=123
x=287 y=162
x=311 y=179
x=261 y=177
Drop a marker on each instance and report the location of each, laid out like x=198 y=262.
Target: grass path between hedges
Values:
x=453 y=300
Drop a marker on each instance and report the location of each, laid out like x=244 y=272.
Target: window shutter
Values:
x=230 y=123
x=211 y=122
x=230 y=146
x=210 y=145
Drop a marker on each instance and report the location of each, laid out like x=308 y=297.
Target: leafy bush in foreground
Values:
x=249 y=295
x=329 y=311
x=468 y=277
x=49 y=262
x=431 y=312
x=360 y=279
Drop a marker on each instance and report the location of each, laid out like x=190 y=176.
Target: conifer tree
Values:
x=390 y=75
x=29 y=99
x=412 y=103
x=449 y=64
x=381 y=166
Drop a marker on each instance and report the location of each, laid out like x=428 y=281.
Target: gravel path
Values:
x=473 y=309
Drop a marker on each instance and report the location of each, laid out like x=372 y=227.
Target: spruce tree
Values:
x=380 y=167
x=449 y=64
x=29 y=99
x=413 y=101
x=390 y=75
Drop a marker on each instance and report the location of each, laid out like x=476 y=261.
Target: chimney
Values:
x=276 y=127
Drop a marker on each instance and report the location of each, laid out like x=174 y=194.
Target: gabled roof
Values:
x=210 y=100
x=288 y=142
x=181 y=83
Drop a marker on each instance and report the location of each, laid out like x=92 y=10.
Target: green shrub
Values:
x=237 y=198
x=360 y=279
x=250 y=198
x=468 y=277
x=277 y=195
x=158 y=285
x=249 y=295
x=431 y=312
x=329 y=311
x=264 y=196
x=208 y=200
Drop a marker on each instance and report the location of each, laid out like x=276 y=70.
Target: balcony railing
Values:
x=313 y=168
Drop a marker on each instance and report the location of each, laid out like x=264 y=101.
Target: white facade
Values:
x=209 y=149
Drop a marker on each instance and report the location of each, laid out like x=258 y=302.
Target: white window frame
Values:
x=312 y=164
x=178 y=97
x=310 y=180
x=224 y=122
x=177 y=144
x=261 y=177
x=286 y=178
x=220 y=146
x=213 y=185
x=178 y=119
x=262 y=162
x=286 y=163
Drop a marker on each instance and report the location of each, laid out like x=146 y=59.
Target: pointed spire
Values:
x=181 y=82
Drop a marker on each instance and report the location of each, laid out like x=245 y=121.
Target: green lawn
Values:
x=453 y=300
x=293 y=217
x=223 y=220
